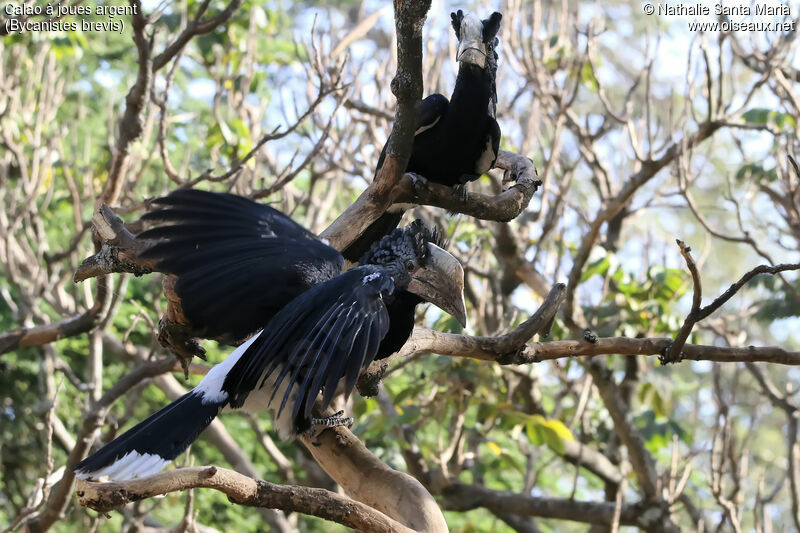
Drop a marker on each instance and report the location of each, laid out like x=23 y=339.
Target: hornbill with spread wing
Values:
x=243 y=266
x=457 y=140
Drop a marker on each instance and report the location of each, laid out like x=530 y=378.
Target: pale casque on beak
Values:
x=471 y=48
x=441 y=282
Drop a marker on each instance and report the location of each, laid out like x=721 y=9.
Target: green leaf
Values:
x=552 y=438
x=551 y=432
x=767 y=117
x=599 y=266
x=588 y=78
x=757 y=115
x=560 y=429
x=532 y=430
x=757 y=173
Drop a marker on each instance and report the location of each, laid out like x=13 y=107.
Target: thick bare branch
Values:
x=242 y=490
x=409 y=18
x=369 y=480
x=461 y=497
x=119 y=249
x=429 y=341
x=16 y=338
x=502 y=207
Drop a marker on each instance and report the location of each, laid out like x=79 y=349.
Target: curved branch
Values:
x=502 y=207
x=119 y=249
x=69 y=327
x=93 y=419
x=195 y=27
x=460 y=496
x=242 y=490
x=648 y=170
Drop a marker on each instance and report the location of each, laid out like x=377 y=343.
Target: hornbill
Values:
x=457 y=140
x=242 y=267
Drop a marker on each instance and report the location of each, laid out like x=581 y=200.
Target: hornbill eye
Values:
x=409 y=264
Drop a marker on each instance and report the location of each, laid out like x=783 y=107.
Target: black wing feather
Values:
x=238 y=262
x=329 y=332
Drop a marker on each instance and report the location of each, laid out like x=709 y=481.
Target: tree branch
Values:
x=503 y=349
x=673 y=354
x=367 y=479
x=649 y=168
x=428 y=341
x=459 y=496
x=242 y=490
x=119 y=249
x=130 y=126
x=195 y=27
x=502 y=207
x=409 y=19
x=75 y=325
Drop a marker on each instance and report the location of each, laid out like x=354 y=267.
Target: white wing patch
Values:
x=426 y=127
x=487 y=158
x=132 y=465
x=211 y=385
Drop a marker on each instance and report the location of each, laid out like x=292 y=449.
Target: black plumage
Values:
x=456 y=140
x=320 y=326
x=223 y=248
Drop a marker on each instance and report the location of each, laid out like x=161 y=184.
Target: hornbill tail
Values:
x=153 y=443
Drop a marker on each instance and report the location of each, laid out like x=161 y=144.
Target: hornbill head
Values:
x=474 y=36
x=419 y=265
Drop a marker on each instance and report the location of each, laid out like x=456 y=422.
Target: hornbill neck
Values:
x=401 y=317
x=472 y=92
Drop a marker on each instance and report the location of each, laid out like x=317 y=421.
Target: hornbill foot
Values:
x=664 y=357
x=318 y=425
x=179 y=340
x=461 y=191
x=589 y=336
x=418 y=181
x=333 y=421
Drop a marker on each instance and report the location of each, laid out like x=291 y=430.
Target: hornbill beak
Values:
x=472 y=52
x=441 y=283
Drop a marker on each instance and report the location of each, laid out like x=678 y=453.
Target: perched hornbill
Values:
x=243 y=266
x=456 y=141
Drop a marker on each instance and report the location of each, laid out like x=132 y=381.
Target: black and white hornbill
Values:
x=243 y=266
x=457 y=140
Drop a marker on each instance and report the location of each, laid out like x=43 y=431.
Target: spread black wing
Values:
x=330 y=332
x=238 y=262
